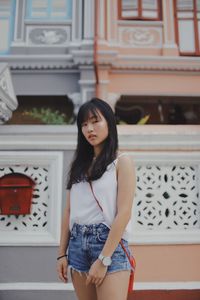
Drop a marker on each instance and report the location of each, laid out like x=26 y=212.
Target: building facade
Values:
x=142 y=57
x=148 y=56
x=148 y=66
x=48 y=46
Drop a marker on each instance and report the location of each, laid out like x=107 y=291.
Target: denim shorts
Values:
x=86 y=243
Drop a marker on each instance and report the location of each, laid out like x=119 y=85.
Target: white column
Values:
x=112 y=99
x=87 y=88
x=87 y=83
x=77 y=21
x=19 y=21
x=89 y=12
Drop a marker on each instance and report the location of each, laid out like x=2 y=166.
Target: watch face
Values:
x=107 y=261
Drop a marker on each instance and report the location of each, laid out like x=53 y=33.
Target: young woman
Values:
x=99 y=266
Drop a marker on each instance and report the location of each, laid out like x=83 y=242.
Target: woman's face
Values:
x=95 y=129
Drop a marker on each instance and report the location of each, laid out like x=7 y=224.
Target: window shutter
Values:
x=150 y=9
x=129 y=8
x=140 y=9
x=39 y=9
x=58 y=9
x=186 y=14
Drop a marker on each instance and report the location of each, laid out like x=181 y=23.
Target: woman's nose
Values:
x=90 y=127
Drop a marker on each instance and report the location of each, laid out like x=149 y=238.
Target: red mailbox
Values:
x=16 y=192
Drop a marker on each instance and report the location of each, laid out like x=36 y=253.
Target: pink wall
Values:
x=167 y=263
x=125 y=67
x=152 y=84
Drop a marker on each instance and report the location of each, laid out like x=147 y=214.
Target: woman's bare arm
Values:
x=125 y=194
x=64 y=238
x=62 y=263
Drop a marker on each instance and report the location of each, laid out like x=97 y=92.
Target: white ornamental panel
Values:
x=140 y=37
x=166 y=204
x=167 y=197
x=42 y=225
x=48 y=35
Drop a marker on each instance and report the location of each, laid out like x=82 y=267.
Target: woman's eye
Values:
x=95 y=121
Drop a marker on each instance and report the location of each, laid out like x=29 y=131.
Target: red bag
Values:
x=131 y=279
x=133 y=265
x=130 y=257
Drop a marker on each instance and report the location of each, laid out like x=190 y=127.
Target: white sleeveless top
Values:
x=84 y=208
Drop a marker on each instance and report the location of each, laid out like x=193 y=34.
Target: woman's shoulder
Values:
x=124 y=161
x=123 y=156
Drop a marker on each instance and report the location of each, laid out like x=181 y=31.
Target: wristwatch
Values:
x=106 y=260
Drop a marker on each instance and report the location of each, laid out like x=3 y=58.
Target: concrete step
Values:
x=40 y=295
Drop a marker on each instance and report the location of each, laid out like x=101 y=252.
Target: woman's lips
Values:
x=90 y=137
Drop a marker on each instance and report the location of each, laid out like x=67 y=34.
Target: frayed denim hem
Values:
x=117 y=270
x=72 y=269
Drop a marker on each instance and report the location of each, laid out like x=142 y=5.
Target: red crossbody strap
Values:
x=131 y=259
x=95 y=196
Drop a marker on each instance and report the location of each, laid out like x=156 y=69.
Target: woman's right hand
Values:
x=62 y=265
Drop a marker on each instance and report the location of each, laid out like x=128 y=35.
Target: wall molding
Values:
x=131 y=137
x=57 y=286
x=138 y=23
x=138 y=62
x=49 y=62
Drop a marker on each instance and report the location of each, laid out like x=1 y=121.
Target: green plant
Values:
x=142 y=121
x=48 y=116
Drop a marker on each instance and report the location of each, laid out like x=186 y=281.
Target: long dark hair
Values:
x=84 y=153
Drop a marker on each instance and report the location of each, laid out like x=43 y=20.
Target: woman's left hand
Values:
x=96 y=273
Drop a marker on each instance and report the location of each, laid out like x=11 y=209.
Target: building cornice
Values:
x=150 y=63
x=139 y=23
x=131 y=137
x=49 y=62
x=82 y=57
x=32 y=62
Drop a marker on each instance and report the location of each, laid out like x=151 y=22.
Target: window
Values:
x=7 y=16
x=188 y=26
x=49 y=9
x=44 y=110
x=158 y=110
x=140 y=9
